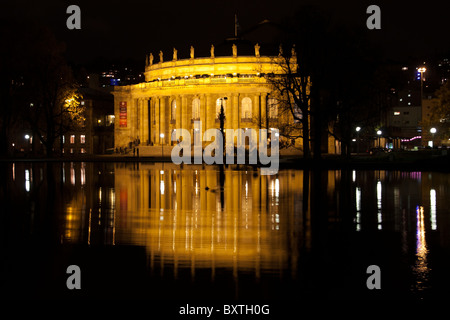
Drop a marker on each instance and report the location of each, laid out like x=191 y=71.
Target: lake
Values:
x=194 y=232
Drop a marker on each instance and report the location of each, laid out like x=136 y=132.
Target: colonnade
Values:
x=150 y=117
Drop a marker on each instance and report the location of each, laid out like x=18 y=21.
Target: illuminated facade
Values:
x=178 y=92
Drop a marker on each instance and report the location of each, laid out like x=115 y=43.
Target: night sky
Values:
x=131 y=29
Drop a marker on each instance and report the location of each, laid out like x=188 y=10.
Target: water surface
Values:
x=157 y=230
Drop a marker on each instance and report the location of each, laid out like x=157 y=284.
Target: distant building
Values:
x=404 y=125
x=97 y=135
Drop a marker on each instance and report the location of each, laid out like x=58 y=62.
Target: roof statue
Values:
x=257 y=50
x=175 y=54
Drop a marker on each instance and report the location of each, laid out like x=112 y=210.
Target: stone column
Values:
x=210 y=113
x=236 y=111
x=178 y=113
x=145 y=125
x=263 y=115
x=203 y=113
x=255 y=109
x=141 y=119
x=157 y=122
x=184 y=113
x=163 y=120
x=229 y=112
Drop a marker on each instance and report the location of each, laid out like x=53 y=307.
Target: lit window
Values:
x=72 y=138
x=110 y=119
x=396 y=113
x=63 y=139
x=246 y=108
x=82 y=138
x=82 y=150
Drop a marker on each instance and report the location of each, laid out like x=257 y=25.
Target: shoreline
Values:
x=428 y=162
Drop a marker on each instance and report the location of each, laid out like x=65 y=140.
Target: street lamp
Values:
x=162 y=145
x=222 y=123
x=432 y=131
x=358 y=129
x=379 y=134
x=421 y=70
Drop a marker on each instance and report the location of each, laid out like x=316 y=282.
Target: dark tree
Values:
x=327 y=82
x=41 y=92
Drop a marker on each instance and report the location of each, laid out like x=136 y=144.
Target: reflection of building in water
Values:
x=177 y=215
x=90 y=210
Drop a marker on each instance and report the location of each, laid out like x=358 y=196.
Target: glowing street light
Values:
x=421 y=70
x=379 y=134
x=432 y=131
x=27 y=136
x=358 y=129
x=161 y=135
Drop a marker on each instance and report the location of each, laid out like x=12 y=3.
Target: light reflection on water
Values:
x=421 y=269
x=199 y=218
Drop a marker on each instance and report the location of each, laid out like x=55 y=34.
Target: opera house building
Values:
x=177 y=92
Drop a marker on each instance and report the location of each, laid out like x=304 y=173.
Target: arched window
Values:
x=219 y=104
x=246 y=108
x=173 y=110
x=298 y=114
x=196 y=109
x=272 y=108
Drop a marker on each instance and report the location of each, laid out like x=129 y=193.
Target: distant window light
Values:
x=409 y=103
x=396 y=113
x=82 y=103
x=409 y=95
x=82 y=138
x=401 y=99
x=82 y=150
x=72 y=139
x=63 y=140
